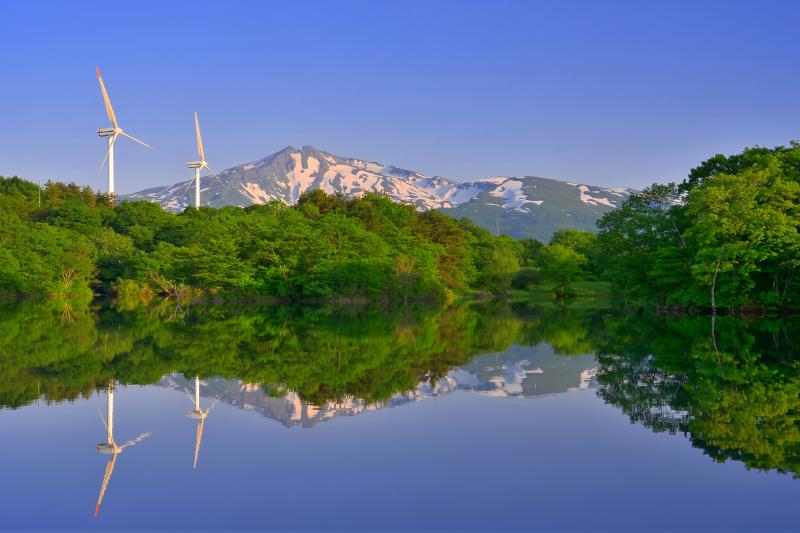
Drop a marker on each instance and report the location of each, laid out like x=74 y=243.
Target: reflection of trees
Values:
x=740 y=401
x=321 y=353
x=36 y=344
x=569 y=331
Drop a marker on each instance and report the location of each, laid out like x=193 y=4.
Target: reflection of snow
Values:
x=498 y=378
x=510 y=382
x=586 y=378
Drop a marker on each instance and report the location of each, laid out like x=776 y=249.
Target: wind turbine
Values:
x=110 y=447
x=112 y=134
x=198 y=414
x=199 y=165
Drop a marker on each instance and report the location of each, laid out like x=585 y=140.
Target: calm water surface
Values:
x=471 y=417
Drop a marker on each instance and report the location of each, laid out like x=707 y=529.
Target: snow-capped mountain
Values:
x=523 y=206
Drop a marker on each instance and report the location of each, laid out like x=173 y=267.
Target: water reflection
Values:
x=518 y=371
x=200 y=415
x=110 y=447
x=731 y=387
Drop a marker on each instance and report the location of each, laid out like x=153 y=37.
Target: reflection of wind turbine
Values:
x=198 y=166
x=112 y=134
x=110 y=447
x=198 y=414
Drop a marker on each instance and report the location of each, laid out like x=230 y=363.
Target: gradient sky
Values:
x=608 y=93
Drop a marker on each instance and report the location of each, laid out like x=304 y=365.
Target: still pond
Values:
x=475 y=416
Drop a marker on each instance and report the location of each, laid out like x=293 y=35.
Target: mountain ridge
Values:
x=521 y=206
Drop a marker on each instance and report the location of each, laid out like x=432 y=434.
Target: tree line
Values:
x=63 y=239
x=725 y=237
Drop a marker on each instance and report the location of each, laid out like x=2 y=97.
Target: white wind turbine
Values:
x=199 y=165
x=112 y=134
x=110 y=447
x=200 y=415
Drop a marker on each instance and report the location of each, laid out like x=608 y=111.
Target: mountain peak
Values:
x=522 y=206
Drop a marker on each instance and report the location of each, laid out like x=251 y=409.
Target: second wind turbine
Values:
x=199 y=165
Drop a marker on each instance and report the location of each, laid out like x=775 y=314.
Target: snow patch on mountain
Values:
x=514 y=195
x=588 y=199
x=256 y=193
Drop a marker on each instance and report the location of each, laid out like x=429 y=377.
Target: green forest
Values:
x=726 y=237
x=67 y=240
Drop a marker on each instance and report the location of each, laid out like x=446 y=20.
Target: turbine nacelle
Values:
x=196 y=164
x=198 y=414
x=107 y=448
x=106 y=132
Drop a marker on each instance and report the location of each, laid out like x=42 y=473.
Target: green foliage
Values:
x=322 y=353
x=496 y=260
x=561 y=265
x=726 y=237
x=568 y=257
x=324 y=247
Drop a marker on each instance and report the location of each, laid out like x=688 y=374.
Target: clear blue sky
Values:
x=608 y=93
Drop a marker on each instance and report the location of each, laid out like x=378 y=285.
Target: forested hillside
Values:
x=64 y=239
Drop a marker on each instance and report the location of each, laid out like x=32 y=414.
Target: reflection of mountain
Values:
x=532 y=371
x=518 y=371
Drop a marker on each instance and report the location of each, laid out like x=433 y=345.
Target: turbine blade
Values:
x=212 y=406
x=191 y=181
x=199 y=139
x=197 y=442
x=188 y=394
x=138 y=439
x=113 y=140
x=102 y=419
x=135 y=139
x=104 y=486
x=212 y=173
x=109 y=109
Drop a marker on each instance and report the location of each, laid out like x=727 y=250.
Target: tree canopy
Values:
x=726 y=237
x=67 y=239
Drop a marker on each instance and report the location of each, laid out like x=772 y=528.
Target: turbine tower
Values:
x=110 y=447
x=112 y=134
x=199 y=165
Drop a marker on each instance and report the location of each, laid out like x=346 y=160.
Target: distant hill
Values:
x=519 y=206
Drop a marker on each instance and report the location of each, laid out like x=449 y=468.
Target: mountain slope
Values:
x=519 y=206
